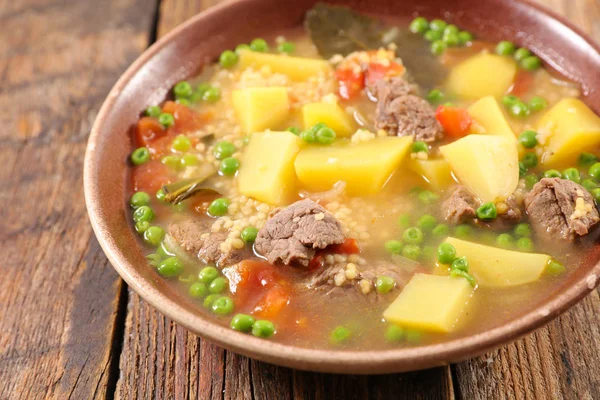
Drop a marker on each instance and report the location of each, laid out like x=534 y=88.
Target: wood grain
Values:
x=59 y=296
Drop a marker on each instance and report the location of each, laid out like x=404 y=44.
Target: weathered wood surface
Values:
x=69 y=328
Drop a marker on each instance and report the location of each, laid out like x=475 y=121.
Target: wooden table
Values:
x=70 y=328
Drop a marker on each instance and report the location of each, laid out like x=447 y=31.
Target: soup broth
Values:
x=394 y=241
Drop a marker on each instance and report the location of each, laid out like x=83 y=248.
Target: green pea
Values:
x=451 y=28
x=440 y=231
x=522 y=169
x=555 y=268
x=522 y=230
x=438 y=25
x=413 y=236
x=202 y=89
x=218 y=207
x=139 y=199
x=438 y=47
x=463 y=231
x=572 y=174
x=170 y=267
x=531 y=63
x=589 y=184
x=427 y=197
x=143 y=213
x=154 y=235
x=411 y=251
x=208 y=274
x=188 y=160
x=154 y=259
x=309 y=136
x=384 y=284
x=181 y=143
x=458 y=273
x=394 y=334
x=537 y=103
x=229 y=166
x=241 y=47
x=183 y=101
x=419 y=146
x=432 y=36
x=223 y=149
x=505 y=241
x=325 y=135
x=296 y=131
x=594 y=171
x=465 y=37
x=263 y=328
x=246 y=140
x=528 y=139
x=434 y=96
x=340 y=335
x=427 y=222
x=209 y=300
x=530 y=160
x=510 y=100
x=446 y=253
x=172 y=161
x=242 y=323
x=393 y=246
x=521 y=53
x=222 y=306
x=228 y=59
x=212 y=94
x=519 y=109
x=412 y=336
x=596 y=195
x=249 y=234
x=552 y=173
x=198 y=290
x=460 y=263
x=183 y=89
x=218 y=285
x=259 y=45
x=140 y=156
x=153 y=111
x=286 y=47
x=587 y=159
x=505 y=48
x=404 y=221
x=451 y=39
x=525 y=244
x=160 y=195
x=141 y=226
x=530 y=180
x=163 y=251
x=487 y=211
x=419 y=25
x=166 y=120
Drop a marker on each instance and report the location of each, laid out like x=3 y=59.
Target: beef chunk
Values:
x=400 y=111
x=460 y=205
x=514 y=214
x=291 y=235
x=195 y=237
x=559 y=208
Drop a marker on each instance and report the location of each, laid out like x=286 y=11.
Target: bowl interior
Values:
x=183 y=52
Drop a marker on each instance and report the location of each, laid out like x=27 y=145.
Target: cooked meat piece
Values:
x=400 y=111
x=194 y=236
x=460 y=205
x=291 y=235
x=560 y=208
x=514 y=214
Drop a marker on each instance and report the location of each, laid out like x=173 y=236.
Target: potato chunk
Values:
x=430 y=303
x=261 y=108
x=482 y=75
x=486 y=164
x=499 y=267
x=436 y=172
x=331 y=114
x=566 y=130
x=267 y=168
x=489 y=118
x=365 y=167
x=297 y=68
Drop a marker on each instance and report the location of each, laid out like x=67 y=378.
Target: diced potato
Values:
x=331 y=114
x=261 y=108
x=436 y=172
x=489 y=118
x=430 y=303
x=297 y=68
x=365 y=167
x=566 y=130
x=486 y=164
x=499 y=267
x=482 y=75
x=267 y=167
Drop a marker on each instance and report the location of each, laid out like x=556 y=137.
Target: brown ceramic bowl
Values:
x=183 y=51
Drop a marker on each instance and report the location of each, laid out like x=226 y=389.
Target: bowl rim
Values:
x=339 y=361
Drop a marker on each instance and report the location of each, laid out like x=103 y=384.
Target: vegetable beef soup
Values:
x=367 y=184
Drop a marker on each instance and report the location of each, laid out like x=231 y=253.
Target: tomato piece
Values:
x=523 y=82
x=250 y=278
x=377 y=71
x=160 y=146
x=455 y=121
x=350 y=83
x=186 y=119
x=147 y=130
x=316 y=262
x=273 y=302
x=349 y=246
x=150 y=177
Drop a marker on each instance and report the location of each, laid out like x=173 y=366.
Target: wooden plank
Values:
x=162 y=359
x=58 y=295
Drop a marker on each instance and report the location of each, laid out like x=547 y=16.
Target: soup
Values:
x=389 y=185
